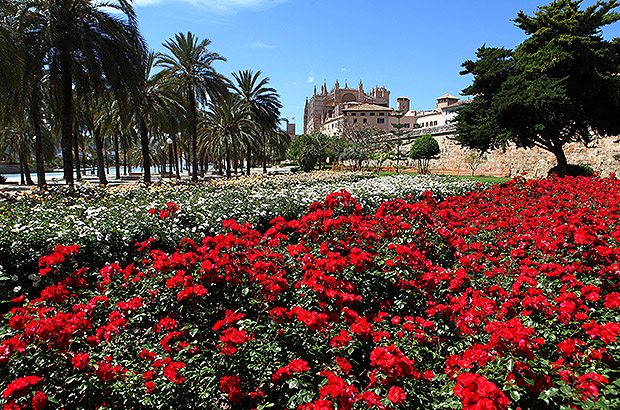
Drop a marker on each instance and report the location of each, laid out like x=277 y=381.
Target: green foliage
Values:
x=574 y=170
x=474 y=160
x=308 y=150
x=556 y=87
x=424 y=149
x=354 y=154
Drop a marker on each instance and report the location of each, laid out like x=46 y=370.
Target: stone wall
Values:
x=534 y=162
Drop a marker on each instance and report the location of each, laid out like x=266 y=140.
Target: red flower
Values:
x=150 y=386
x=396 y=395
x=39 y=400
x=19 y=387
x=80 y=360
x=476 y=392
x=171 y=372
x=232 y=386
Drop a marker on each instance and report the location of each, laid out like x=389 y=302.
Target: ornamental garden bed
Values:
x=495 y=299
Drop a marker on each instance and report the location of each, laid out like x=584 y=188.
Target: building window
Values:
x=435 y=123
x=380 y=120
x=362 y=114
x=353 y=114
x=365 y=120
x=354 y=120
x=406 y=125
x=381 y=113
x=372 y=114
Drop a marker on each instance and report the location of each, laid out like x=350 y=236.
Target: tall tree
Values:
x=225 y=128
x=560 y=85
x=86 y=42
x=188 y=66
x=156 y=98
x=264 y=106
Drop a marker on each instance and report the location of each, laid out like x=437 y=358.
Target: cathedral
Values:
x=326 y=105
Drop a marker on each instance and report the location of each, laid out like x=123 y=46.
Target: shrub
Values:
x=423 y=149
x=574 y=170
x=505 y=298
x=2 y=179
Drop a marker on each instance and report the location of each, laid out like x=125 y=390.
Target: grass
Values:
x=478 y=178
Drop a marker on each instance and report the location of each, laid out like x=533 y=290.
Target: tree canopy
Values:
x=560 y=85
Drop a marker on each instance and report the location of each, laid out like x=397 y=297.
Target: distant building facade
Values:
x=331 y=112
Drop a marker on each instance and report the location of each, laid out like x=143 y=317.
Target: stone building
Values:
x=326 y=111
x=331 y=112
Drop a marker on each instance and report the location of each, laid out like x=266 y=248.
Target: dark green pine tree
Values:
x=560 y=85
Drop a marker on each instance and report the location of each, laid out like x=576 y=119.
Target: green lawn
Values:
x=478 y=178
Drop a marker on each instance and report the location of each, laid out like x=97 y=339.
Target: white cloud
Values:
x=311 y=77
x=259 y=44
x=221 y=6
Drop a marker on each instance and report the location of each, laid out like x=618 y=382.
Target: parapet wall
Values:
x=534 y=162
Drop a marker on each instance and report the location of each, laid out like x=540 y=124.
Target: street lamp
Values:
x=169 y=141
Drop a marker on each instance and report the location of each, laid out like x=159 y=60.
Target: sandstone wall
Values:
x=533 y=161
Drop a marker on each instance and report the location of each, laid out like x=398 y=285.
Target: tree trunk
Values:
x=66 y=115
x=76 y=154
x=146 y=159
x=21 y=169
x=117 y=155
x=249 y=160
x=227 y=163
x=100 y=159
x=35 y=113
x=23 y=160
x=107 y=161
x=194 y=136
x=558 y=151
x=176 y=156
x=84 y=160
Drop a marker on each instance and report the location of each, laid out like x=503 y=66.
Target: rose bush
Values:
x=504 y=298
x=105 y=222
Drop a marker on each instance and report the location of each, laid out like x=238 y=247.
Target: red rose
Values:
x=396 y=395
x=39 y=400
x=80 y=360
x=19 y=387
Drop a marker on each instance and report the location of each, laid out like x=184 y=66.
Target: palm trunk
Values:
x=38 y=143
x=66 y=115
x=227 y=163
x=84 y=160
x=176 y=156
x=249 y=159
x=264 y=155
x=192 y=111
x=146 y=159
x=23 y=160
x=76 y=154
x=100 y=159
x=117 y=155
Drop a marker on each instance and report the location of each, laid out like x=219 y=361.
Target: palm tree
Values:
x=188 y=67
x=22 y=78
x=11 y=55
x=85 y=45
x=263 y=103
x=154 y=101
x=225 y=128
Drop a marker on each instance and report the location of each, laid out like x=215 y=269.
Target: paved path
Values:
x=155 y=177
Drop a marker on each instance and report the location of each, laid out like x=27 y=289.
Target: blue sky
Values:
x=413 y=48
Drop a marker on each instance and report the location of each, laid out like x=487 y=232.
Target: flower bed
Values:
x=505 y=298
x=106 y=222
